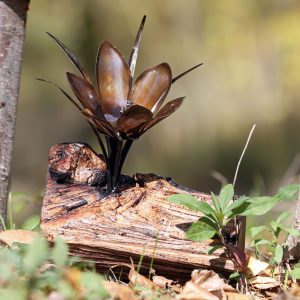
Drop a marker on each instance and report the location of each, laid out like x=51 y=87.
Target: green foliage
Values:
x=224 y=209
x=278 y=240
x=35 y=271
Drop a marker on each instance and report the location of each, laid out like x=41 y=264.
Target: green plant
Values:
x=223 y=210
x=17 y=203
x=36 y=271
x=277 y=244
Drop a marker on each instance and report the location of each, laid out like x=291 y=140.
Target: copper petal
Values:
x=113 y=76
x=72 y=57
x=85 y=93
x=152 y=86
x=102 y=125
x=135 y=48
x=166 y=111
x=132 y=120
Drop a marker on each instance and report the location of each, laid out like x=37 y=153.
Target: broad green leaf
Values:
x=295 y=273
x=211 y=249
x=259 y=206
x=236 y=206
x=226 y=195
x=278 y=254
x=289 y=192
x=283 y=216
x=200 y=231
x=216 y=202
x=256 y=230
x=259 y=242
x=36 y=253
x=191 y=202
x=60 y=253
x=210 y=221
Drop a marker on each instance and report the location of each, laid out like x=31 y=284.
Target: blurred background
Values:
x=251 y=74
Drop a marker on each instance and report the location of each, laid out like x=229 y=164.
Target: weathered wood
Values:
x=112 y=229
x=12 y=30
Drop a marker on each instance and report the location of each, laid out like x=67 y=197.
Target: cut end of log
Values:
x=111 y=229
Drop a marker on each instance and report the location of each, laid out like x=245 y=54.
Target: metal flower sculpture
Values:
x=118 y=108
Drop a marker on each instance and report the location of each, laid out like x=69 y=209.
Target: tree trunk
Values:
x=12 y=30
x=136 y=221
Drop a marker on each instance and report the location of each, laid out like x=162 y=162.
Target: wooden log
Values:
x=111 y=229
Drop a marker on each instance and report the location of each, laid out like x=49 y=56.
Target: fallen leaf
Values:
x=119 y=291
x=235 y=296
x=264 y=282
x=137 y=279
x=161 y=282
x=210 y=280
x=191 y=291
x=256 y=266
x=9 y=237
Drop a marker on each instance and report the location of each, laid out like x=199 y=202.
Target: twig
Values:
x=242 y=155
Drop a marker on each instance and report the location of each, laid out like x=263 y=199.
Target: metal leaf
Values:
x=113 y=76
x=85 y=93
x=166 y=111
x=152 y=86
x=135 y=48
x=72 y=57
x=185 y=72
x=102 y=125
x=131 y=121
x=65 y=93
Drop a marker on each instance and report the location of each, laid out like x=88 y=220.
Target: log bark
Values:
x=111 y=229
x=12 y=30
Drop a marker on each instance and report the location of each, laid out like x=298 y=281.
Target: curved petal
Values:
x=132 y=120
x=102 y=125
x=72 y=57
x=151 y=87
x=113 y=76
x=85 y=93
x=166 y=111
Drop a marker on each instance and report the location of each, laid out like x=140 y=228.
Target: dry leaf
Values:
x=256 y=266
x=119 y=291
x=264 y=282
x=137 y=279
x=9 y=237
x=191 y=291
x=210 y=280
x=161 y=282
x=235 y=296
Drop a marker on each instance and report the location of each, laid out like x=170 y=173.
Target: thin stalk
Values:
x=117 y=161
x=125 y=150
x=108 y=165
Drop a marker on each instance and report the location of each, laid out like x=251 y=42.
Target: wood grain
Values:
x=111 y=229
